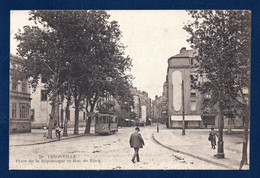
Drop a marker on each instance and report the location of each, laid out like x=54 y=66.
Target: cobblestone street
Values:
x=90 y=152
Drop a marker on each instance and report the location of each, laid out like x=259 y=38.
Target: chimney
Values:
x=183 y=49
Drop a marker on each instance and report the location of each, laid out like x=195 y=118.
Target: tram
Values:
x=106 y=124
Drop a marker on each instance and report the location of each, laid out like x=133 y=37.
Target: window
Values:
x=207 y=96
x=84 y=115
x=13 y=110
x=193 y=93
x=32 y=114
x=24 y=110
x=105 y=119
x=24 y=87
x=43 y=95
x=193 y=105
x=98 y=120
x=14 y=86
x=191 y=77
x=113 y=120
x=191 y=61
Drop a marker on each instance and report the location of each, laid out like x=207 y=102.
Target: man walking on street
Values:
x=136 y=142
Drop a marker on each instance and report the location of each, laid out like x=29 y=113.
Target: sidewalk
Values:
x=36 y=137
x=195 y=144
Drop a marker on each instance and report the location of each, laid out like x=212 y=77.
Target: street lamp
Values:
x=183 y=110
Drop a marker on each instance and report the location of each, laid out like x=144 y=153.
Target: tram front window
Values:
x=104 y=120
x=99 y=120
x=113 y=119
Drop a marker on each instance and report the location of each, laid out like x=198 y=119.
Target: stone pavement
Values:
x=36 y=137
x=195 y=144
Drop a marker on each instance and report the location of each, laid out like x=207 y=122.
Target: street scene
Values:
x=129 y=90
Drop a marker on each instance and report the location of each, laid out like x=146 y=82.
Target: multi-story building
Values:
x=41 y=108
x=156 y=109
x=20 y=101
x=142 y=105
x=164 y=104
x=182 y=99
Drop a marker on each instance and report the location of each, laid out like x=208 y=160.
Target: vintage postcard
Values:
x=129 y=90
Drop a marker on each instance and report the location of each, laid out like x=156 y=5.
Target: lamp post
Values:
x=183 y=110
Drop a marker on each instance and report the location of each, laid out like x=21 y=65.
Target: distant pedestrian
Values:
x=212 y=138
x=57 y=131
x=136 y=142
x=44 y=130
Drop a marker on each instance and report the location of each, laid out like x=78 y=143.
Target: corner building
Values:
x=180 y=70
x=20 y=113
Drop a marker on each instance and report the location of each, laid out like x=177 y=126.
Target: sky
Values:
x=151 y=37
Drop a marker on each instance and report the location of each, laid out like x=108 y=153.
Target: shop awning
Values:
x=186 y=118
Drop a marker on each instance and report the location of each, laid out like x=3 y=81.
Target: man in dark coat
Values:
x=136 y=142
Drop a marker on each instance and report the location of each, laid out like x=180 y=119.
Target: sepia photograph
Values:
x=129 y=90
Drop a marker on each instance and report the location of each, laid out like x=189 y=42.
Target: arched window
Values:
x=24 y=111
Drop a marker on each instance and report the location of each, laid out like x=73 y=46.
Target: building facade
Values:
x=19 y=101
x=182 y=99
x=41 y=109
x=142 y=106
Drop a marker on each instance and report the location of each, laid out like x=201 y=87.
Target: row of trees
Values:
x=79 y=54
x=223 y=38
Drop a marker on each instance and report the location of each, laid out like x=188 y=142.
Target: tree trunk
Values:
x=62 y=113
x=88 y=124
x=245 y=143
x=65 y=129
x=229 y=125
x=51 y=123
x=76 y=125
x=220 y=153
x=56 y=116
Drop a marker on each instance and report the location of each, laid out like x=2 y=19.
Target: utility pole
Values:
x=183 y=110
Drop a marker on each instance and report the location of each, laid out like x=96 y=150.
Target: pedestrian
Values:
x=136 y=142
x=212 y=138
x=57 y=131
x=44 y=130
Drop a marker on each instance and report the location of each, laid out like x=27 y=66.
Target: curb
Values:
x=194 y=156
x=50 y=141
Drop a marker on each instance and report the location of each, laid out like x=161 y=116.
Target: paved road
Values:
x=102 y=152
